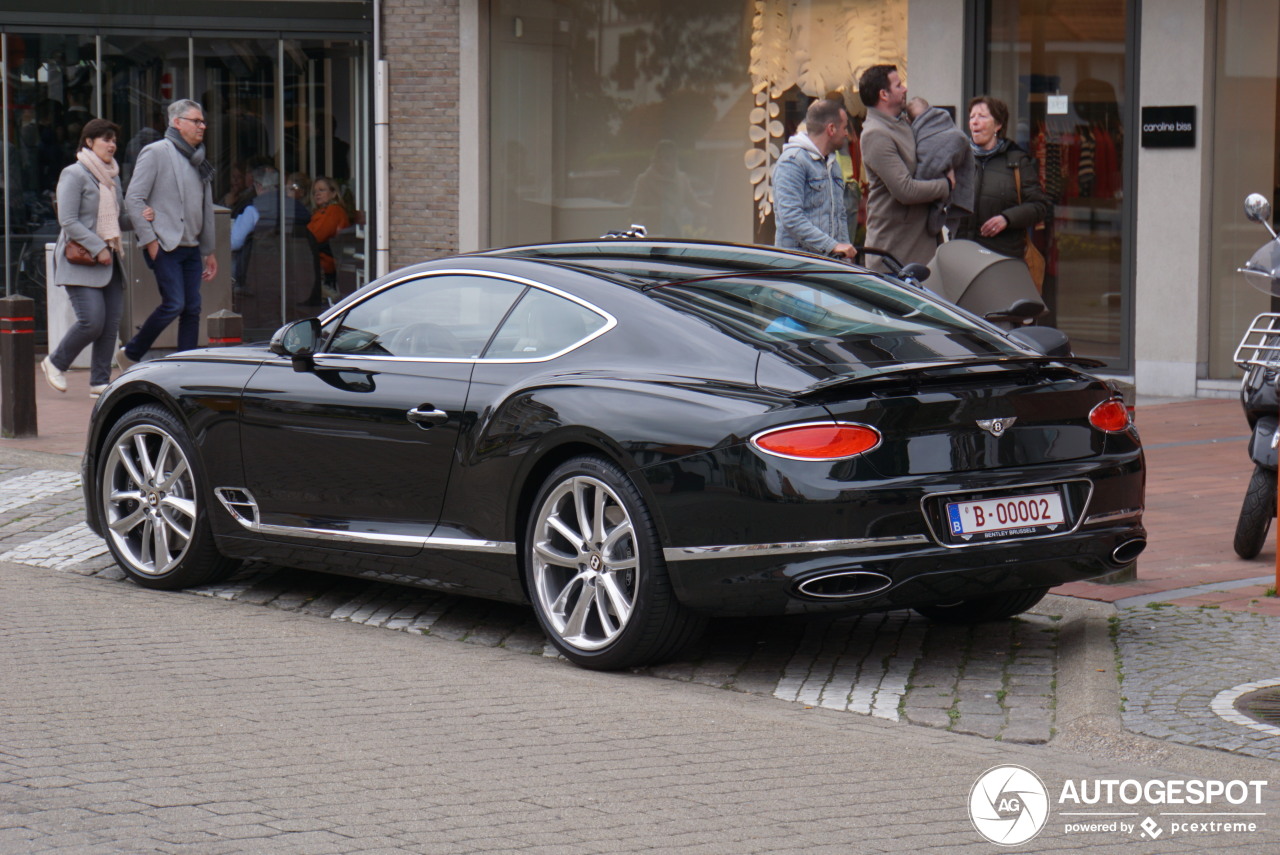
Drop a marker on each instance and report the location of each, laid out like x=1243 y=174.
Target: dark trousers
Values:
x=97 y=321
x=178 y=278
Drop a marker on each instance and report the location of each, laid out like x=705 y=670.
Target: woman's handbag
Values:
x=1033 y=257
x=77 y=254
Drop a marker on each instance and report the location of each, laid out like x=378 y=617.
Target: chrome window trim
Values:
x=610 y=320
x=1011 y=490
x=748 y=550
x=252 y=523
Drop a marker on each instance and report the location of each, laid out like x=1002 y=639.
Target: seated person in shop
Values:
x=940 y=147
x=263 y=214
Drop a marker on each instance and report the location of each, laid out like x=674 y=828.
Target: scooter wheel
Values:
x=1256 y=513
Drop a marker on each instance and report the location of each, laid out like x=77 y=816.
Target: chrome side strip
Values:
x=243 y=508
x=746 y=550
x=1112 y=516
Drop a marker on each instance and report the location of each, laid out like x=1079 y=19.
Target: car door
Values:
x=357 y=449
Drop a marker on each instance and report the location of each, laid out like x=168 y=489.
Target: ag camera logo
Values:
x=1008 y=805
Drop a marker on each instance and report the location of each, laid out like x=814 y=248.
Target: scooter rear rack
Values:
x=1260 y=346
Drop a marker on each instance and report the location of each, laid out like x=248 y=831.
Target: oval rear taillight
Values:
x=1110 y=416
x=820 y=441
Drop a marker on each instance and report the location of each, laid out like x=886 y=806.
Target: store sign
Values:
x=1169 y=127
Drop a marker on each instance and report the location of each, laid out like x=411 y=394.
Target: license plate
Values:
x=1010 y=516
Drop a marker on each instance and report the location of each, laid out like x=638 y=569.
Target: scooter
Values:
x=995 y=287
x=1259 y=357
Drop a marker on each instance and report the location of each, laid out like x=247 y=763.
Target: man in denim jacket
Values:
x=808 y=186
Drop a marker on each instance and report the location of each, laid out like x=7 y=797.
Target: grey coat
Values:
x=78 y=216
x=164 y=179
x=940 y=146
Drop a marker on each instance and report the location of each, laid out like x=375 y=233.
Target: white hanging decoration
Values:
x=820 y=46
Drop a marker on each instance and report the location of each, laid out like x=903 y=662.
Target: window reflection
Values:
x=1061 y=69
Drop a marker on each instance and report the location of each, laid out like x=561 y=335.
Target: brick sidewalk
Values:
x=1197 y=470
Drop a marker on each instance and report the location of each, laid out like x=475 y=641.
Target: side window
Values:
x=441 y=317
x=543 y=324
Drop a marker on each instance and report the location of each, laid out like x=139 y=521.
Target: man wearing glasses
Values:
x=173 y=177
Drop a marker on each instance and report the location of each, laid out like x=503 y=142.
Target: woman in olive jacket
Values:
x=1000 y=221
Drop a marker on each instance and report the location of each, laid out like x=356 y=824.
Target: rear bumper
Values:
x=917 y=574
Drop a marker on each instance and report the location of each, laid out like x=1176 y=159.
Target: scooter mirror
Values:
x=1257 y=208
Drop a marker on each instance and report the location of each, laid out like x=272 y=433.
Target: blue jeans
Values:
x=97 y=322
x=178 y=278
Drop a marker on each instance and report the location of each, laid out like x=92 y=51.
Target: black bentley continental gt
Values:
x=631 y=435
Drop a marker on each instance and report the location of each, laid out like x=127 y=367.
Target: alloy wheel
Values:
x=149 y=500
x=585 y=566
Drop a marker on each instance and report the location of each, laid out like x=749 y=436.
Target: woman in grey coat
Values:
x=91 y=213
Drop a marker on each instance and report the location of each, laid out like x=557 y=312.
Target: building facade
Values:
x=511 y=121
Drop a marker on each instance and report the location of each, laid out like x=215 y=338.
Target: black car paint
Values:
x=674 y=403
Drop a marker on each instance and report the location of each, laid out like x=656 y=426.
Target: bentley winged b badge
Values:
x=996 y=427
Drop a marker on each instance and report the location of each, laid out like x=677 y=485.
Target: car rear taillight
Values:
x=818 y=441
x=1110 y=416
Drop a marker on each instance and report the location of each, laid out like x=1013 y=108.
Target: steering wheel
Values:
x=424 y=339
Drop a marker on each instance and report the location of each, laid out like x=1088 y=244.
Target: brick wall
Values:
x=420 y=44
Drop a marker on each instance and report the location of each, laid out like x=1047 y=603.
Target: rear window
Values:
x=805 y=307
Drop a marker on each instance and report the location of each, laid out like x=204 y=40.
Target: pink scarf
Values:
x=108 y=209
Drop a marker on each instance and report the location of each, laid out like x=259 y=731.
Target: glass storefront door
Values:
x=294 y=108
x=1246 y=159
x=1061 y=67
x=52 y=90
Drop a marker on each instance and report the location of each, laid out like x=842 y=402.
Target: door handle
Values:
x=427 y=416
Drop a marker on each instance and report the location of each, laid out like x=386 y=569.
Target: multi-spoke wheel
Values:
x=151 y=498
x=595 y=571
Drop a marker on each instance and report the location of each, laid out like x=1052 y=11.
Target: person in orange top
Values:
x=327 y=219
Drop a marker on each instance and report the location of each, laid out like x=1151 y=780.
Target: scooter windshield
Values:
x=1263 y=270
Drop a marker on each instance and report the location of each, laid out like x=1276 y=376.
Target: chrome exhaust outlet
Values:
x=1128 y=552
x=844 y=584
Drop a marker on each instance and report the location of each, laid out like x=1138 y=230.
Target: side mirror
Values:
x=298 y=341
x=1257 y=208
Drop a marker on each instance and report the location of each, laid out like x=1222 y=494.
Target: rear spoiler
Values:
x=912 y=369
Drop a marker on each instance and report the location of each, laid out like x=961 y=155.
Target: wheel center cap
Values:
x=595 y=563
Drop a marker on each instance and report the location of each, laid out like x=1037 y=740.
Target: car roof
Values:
x=644 y=261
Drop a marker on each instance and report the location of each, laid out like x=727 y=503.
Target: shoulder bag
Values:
x=1033 y=257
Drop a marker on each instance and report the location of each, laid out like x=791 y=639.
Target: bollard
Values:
x=17 y=367
x=225 y=327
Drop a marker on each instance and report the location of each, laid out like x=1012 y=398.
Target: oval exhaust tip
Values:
x=1128 y=552
x=844 y=584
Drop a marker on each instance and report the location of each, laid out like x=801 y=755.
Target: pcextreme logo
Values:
x=1010 y=804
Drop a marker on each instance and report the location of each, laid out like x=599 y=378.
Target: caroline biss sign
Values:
x=1169 y=127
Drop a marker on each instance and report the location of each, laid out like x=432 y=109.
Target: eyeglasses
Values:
x=199 y=123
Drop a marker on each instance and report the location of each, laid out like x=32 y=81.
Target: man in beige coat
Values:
x=897 y=204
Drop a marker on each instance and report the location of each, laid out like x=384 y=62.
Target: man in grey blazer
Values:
x=173 y=177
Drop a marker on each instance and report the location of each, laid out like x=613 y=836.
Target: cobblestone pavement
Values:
x=1176 y=661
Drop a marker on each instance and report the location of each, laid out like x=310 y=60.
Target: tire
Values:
x=152 y=498
x=1256 y=513
x=982 y=609
x=595 y=573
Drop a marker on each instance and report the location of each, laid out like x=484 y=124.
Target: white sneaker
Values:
x=53 y=376
x=96 y=391
x=123 y=360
